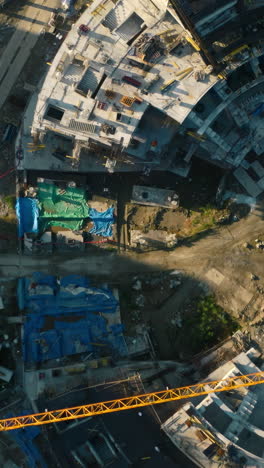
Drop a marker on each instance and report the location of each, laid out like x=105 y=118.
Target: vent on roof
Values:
x=83 y=126
x=54 y=113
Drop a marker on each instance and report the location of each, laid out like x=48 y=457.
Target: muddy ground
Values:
x=186 y=224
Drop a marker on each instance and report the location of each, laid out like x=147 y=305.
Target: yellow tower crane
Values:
x=121 y=404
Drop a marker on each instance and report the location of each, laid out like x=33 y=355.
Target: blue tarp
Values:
x=75 y=279
x=102 y=222
x=67 y=320
x=25 y=440
x=27 y=214
x=68 y=296
x=259 y=110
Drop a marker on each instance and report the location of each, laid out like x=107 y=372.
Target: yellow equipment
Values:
x=127 y=101
x=192 y=42
x=35 y=147
x=236 y=51
x=196 y=135
x=121 y=404
x=183 y=73
x=167 y=84
x=97 y=10
x=166 y=32
x=208 y=434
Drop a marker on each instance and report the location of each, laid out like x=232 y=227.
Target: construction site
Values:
x=131 y=233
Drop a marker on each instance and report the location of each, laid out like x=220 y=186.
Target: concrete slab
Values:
x=247 y=182
x=153 y=196
x=244 y=294
x=258 y=168
x=239 y=299
x=215 y=276
x=152 y=238
x=261 y=183
x=245 y=164
x=137 y=345
x=31 y=384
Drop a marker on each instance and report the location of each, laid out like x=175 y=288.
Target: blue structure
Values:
x=102 y=222
x=25 y=440
x=66 y=318
x=259 y=110
x=27 y=214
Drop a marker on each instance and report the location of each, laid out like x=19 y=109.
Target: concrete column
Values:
x=238 y=114
x=217 y=139
x=254 y=65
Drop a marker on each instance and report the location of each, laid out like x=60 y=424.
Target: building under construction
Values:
x=135 y=87
x=152 y=85
x=223 y=428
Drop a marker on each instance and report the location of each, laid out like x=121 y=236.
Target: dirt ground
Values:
x=173 y=221
x=184 y=223
x=163 y=302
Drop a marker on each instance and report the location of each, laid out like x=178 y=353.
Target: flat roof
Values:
x=99 y=80
x=154 y=196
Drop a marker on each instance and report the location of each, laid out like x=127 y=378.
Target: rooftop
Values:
x=153 y=196
x=232 y=421
x=73 y=317
x=117 y=60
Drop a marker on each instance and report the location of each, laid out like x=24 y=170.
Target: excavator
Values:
x=138 y=401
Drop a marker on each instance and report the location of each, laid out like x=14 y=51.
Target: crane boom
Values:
x=94 y=409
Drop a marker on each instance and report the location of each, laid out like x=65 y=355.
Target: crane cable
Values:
x=146 y=399
x=9 y=171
